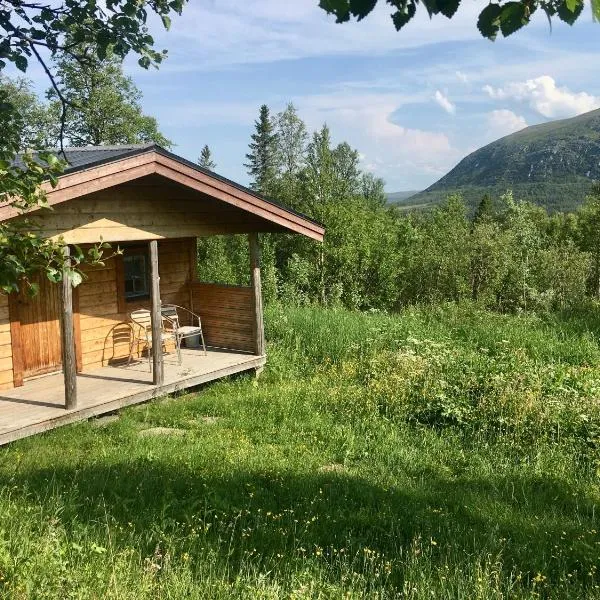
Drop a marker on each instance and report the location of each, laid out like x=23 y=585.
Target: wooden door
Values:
x=40 y=329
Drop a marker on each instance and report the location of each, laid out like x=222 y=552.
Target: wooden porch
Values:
x=39 y=405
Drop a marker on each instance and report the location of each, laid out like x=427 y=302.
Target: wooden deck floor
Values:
x=39 y=404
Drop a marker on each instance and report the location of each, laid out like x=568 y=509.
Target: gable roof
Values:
x=98 y=167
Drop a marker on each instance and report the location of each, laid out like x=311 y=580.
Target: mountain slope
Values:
x=400 y=197
x=552 y=164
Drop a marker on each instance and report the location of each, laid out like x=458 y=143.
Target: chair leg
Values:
x=130 y=351
x=203 y=344
x=149 y=350
x=178 y=345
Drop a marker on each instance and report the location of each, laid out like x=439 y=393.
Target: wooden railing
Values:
x=227 y=313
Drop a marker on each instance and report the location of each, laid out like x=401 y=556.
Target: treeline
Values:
x=513 y=256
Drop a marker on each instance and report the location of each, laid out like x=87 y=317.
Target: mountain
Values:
x=400 y=197
x=552 y=164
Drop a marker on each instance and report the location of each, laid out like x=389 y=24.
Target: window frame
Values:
x=126 y=301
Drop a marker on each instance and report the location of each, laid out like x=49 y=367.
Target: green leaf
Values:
x=33 y=289
x=402 y=16
x=166 y=22
x=596 y=10
x=54 y=275
x=76 y=278
x=21 y=63
x=513 y=16
x=489 y=21
x=339 y=8
x=361 y=8
x=448 y=7
x=569 y=10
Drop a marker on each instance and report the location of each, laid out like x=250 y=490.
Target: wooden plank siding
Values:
x=227 y=315
x=136 y=213
x=104 y=313
x=6 y=363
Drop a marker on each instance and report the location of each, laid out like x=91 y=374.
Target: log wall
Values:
x=227 y=315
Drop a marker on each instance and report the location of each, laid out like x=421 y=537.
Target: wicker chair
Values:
x=173 y=313
x=142 y=321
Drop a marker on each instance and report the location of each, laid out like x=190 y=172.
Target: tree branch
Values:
x=63 y=101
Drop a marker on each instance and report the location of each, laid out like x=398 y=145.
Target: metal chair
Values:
x=142 y=318
x=172 y=313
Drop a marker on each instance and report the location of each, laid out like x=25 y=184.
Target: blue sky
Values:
x=413 y=103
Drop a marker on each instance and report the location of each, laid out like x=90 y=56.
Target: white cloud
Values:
x=503 y=122
x=368 y=121
x=462 y=77
x=545 y=97
x=444 y=102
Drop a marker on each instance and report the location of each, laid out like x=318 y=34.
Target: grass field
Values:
x=441 y=453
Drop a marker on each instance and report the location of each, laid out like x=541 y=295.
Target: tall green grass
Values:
x=441 y=453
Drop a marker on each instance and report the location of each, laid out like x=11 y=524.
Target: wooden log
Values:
x=69 y=357
x=157 y=355
x=257 y=304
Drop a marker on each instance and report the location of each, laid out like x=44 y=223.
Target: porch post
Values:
x=258 y=326
x=69 y=360
x=158 y=373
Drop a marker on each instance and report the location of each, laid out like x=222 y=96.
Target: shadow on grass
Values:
x=578 y=321
x=532 y=525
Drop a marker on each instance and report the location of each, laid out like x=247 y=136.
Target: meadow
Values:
x=444 y=452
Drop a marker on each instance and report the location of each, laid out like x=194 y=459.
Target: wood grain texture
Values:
x=258 y=327
x=227 y=315
x=105 y=215
x=36 y=330
x=6 y=352
x=158 y=373
x=67 y=336
x=77 y=330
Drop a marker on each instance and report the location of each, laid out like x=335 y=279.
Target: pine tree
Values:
x=206 y=159
x=262 y=158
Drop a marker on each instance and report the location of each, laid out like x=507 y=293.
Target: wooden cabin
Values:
x=67 y=354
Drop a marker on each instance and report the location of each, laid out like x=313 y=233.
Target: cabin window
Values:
x=137 y=274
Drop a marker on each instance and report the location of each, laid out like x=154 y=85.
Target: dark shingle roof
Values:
x=81 y=158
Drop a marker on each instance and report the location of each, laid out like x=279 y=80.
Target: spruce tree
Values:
x=206 y=159
x=262 y=158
